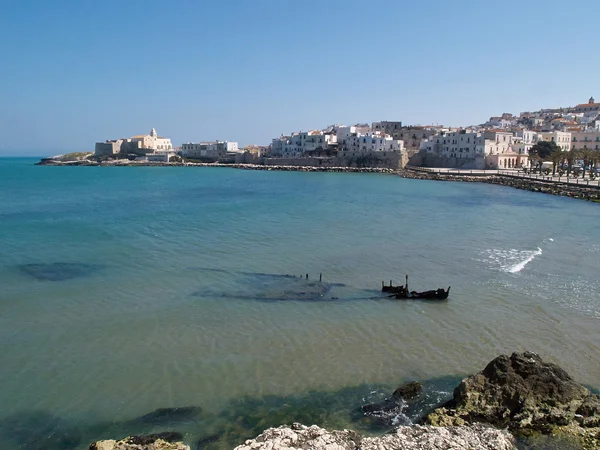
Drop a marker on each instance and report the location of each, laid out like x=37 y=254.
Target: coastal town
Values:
x=502 y=142
x=558 y=145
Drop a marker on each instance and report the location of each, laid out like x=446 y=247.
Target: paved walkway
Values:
x=511 y=172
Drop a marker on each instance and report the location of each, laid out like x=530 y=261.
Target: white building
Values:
x=160 y=156
x=454 y=144
x=370 y=142
x=208 y=150
x=152 y=141
x=562 y=138
x=140 y=144
x=297 y=144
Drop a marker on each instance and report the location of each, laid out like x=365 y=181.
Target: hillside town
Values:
x=502 y=142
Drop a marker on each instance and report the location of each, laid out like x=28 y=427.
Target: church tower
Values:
x=591 y=101
x=153 y=133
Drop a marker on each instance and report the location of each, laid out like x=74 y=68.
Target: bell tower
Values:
x=591 y=101
x=153 y=132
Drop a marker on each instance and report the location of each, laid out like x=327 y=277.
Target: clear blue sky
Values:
x=74 y=72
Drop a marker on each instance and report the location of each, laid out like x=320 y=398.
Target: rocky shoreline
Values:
x=561 y=189
x=284 y=168
x=514 y=399
x=546 y=187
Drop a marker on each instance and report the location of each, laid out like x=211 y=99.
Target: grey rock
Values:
x=152 y=442
x=402 y=438
x=525 y=394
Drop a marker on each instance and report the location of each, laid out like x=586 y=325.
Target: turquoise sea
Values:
x=124 y=290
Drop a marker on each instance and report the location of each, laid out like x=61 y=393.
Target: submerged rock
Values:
x=408 y=391
x=58 y=271
x=414 y=437
x=404 y=405
x=169 y=416
x=38 y=430
x=151 y=442
x=526 y=395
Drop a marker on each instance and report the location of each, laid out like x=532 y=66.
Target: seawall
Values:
x=590 y=193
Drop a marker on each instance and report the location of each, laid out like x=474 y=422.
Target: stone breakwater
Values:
x=562 y=189
x=285 y=168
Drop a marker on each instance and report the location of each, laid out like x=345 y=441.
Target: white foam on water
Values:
x=521 y=265
x=511 y=260
x=551 y=240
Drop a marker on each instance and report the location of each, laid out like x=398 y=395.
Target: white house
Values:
x=370 y=142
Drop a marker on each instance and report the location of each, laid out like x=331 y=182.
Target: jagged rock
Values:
x=389 y=412
x=408 y=391
x=403 y=438
x=526 y=395
x=159 y=441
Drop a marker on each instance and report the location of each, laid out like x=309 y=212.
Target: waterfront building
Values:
x=108 y=148
x=581 y=140
x=453 y=144
x=304 y=143
x=208 y=150
x=370 y=142
x=152 y=141
x=414 y=135
x=562 y=138
x=139 y=144
x=160 y=156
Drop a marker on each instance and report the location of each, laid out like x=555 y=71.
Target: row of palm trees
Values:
x=550 y=151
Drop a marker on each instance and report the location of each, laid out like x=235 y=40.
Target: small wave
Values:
x=508 y=260
x=521 y=265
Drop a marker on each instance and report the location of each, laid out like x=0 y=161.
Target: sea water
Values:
x=127 y=289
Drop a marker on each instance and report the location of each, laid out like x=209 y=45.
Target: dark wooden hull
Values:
x=439 y=294
x=401 y=292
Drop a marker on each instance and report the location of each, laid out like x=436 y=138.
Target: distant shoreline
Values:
x=527 y=184
x=288 y=168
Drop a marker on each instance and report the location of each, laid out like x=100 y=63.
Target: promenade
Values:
x=576 y=181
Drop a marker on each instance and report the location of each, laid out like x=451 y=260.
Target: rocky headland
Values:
x=514 y=402
x=527 y=396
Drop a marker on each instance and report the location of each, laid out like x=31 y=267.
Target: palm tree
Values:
x=587 y=155
x=571 y=156
x=556 y=157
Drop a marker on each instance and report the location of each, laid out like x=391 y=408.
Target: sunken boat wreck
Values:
x=402 y=292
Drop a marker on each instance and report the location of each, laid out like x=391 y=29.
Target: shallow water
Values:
x=155 y=287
